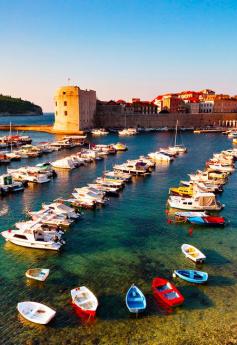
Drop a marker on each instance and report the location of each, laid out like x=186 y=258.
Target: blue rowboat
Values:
x=135 y=300
x=191 y=276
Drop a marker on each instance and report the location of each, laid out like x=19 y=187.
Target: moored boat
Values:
x=166 y=292
x=193 y=253
x=135 y=300
x=85 y=300
x=40 y=274
x=36 y=312
x=191 y=276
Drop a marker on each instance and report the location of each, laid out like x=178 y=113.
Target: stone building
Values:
x=74 y=109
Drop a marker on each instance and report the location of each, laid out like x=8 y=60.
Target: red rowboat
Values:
x=166 y=292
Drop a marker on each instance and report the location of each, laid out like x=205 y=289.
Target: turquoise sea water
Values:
x=128 y=241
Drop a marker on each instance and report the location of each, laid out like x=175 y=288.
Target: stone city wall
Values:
x=117 y=120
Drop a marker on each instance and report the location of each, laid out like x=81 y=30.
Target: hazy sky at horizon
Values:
x=120 y=48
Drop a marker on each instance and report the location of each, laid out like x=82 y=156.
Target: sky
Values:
x=120 y=48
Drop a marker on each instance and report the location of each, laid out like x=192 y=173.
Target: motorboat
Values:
x=193 y=253
x=105 y=181
x=199 y=202
x=166 y=292
x=158 y=156
x=64 y=163
x=120 y=147
x=118 y=176
x=191 y=276
x=127 y=132
x=135 y=300
x=85 y=193
x=28 y=174
x=7 y=184
x=36 y=312
x=40 y=274
x=106 y=189
x=99 y=131
x=33 y=239
x=222 y=168
x=60 y=208
x=85 y=300
x=207 y=220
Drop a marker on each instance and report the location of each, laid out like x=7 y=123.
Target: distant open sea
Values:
x=46 y=119
x=127 y=241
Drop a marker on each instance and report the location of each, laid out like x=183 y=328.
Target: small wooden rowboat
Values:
x=193 y=253
x=40 y=274
x=207 y=221
x=135 y=300
x=191 y=276
x=166 y=292
x=84 y=300
x=36 y=312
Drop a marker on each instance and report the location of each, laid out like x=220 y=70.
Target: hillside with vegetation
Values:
x=15 y=106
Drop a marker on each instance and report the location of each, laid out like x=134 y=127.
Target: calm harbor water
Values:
x=128 y=241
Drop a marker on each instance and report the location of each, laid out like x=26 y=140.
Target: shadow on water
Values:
x=195 y=298
x=220 y=281
x=215 y=258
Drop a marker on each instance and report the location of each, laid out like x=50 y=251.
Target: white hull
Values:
x=35 y=245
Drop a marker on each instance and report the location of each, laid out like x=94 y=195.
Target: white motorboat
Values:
x=33 y=239
x=64 y=163
x=40 y=274
x=29 y=175
x=89 y=194
x=221 y=168
x=60 y=209
x=158 y=156
x=85 y=300
x=127 y=131
x=105 y=181
x=99 y=131
x=36 y=312
x=199 y=202
x=118 y=175
x=193 y=253
x=106 y=189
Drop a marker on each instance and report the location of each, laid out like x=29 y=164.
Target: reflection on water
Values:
x=128 y=241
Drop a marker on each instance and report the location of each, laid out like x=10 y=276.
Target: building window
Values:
x=56 y=104
x=65 y=103
x=64 y=93
x=65 y=113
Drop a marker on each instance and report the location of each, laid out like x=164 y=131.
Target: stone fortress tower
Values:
x=74 y=109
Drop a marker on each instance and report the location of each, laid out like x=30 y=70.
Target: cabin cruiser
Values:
x=28 y=174
x=7 y=184
x=134 y=168
x=33 y=239
x=147 y=160
x=13 y=156
x=107 y=149
x=105 y=181
x=221 y=168
x=99 y=131
x=109 y=190
x=64 y=163
x=60 y=209
x=120 y=147
x=118 y=176
x=91 y=154
x=199 y=202
x=127 y=131
x=208 y=177
x=90 y=194
x=159 y=156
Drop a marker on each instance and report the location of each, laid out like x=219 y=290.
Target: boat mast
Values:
x=175 y=138
x=10 y=134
